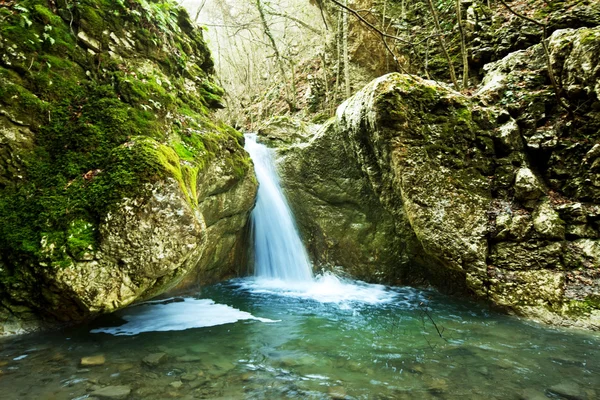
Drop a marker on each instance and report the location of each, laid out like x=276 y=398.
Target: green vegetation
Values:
x=102 y=123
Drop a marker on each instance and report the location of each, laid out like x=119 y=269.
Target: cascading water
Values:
x=279 y=252
x=281 y=264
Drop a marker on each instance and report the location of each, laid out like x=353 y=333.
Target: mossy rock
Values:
x=92 y=114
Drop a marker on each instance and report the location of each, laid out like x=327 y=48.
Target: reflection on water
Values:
x=368 y=342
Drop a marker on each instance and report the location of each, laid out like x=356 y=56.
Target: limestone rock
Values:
x=155 y=359
x=568 y=390
x=527 y=186
x=149 y=193
x=112 y=392
x=283 y=130
x=89 y=42
x=92 y=361
x=339 y=216
x=547 y=222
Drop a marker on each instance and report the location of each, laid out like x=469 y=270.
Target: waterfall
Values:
x=278 y=250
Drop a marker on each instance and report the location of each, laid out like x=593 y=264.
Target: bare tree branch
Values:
x=296 y=20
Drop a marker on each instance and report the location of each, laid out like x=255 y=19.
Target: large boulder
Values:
x=339 y=215
x=496 y=194
x=116 y=183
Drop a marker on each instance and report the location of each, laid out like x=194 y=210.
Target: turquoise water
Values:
x=365 y=342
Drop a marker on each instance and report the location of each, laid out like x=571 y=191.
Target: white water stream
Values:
x=281 y=264
x=279 y=252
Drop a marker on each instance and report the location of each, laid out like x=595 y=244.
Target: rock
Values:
x=509 y=135
x=169 y=206
x=283 y=130
x=89 y=42
x=568 y=390
x=155 y=359
x=189 y=358
x=532 y=394
x=337 y=212
x=527 y=186
x=547 y=222
x=92 y=361
x=336 y=392
x=189 y=377
x=112 y=392
x=176 y=384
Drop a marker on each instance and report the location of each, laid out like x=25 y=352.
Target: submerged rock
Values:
x=92 y=361
x=112 y=392
x=155 y=359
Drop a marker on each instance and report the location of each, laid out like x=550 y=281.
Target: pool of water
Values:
x=245 y=339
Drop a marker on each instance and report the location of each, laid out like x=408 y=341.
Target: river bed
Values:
x=247 y=339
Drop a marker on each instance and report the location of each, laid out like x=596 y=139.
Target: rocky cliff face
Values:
x=115 y=183
x=494 y=194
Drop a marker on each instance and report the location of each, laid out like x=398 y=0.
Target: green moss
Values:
x=583 y=307
x=102 y=127
x=81 y=238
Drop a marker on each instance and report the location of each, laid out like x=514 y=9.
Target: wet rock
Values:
x=189 y=358
x=155 y=359
x=112 y=392
x=189 y=377
x=568 y=390
x=180 y=225
x=92 y=361
x=176 y=384
x=532 y=394
x=336 y=392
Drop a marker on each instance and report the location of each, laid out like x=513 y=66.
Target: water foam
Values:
x=326 y=288
x=178 y=315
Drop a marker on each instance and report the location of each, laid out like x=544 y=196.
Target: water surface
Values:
x=258 y=339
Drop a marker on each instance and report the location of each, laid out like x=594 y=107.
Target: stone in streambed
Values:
x=154 y=359
x=189 y=377
x=176 y=384
x=93 y=361
x=112 y=392
x=532 y=394
x=568 y=390
x=337 y=392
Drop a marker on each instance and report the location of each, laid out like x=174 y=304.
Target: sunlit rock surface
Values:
x=496 y=195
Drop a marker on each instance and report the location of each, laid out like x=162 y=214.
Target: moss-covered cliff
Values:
x=115 y=182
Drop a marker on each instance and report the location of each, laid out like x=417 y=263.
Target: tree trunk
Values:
x=463 y=46
x=442 y=43
x=345 y=50
x=278 y=58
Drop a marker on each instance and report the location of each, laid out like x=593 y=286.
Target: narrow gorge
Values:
x=299 y=199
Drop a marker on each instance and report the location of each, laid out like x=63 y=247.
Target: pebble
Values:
x=189 y=377
x=176 y=384
x=337 y=392
x=568 y=390
x=112 y=392
x=93 y=361
x=154 y=359
x=189 y=358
